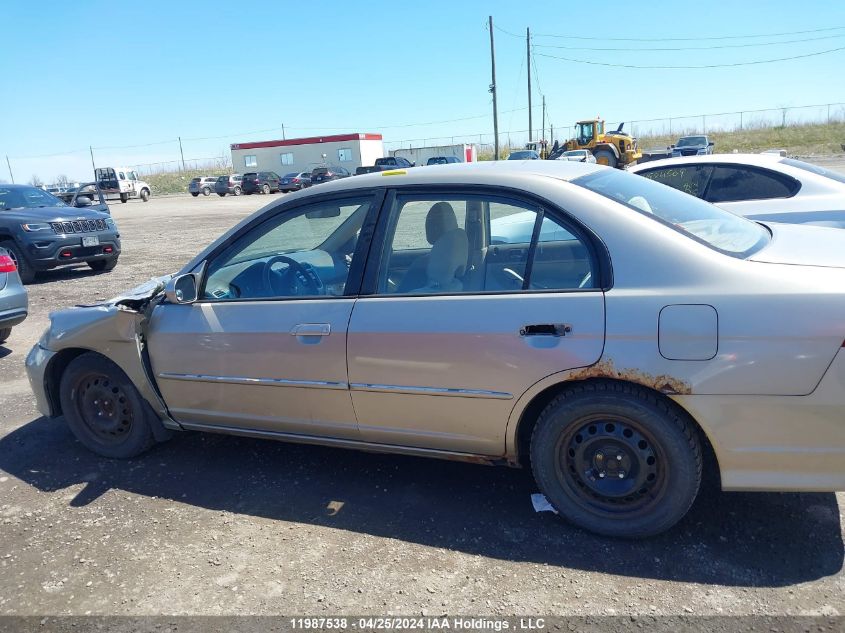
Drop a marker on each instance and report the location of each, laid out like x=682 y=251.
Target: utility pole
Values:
x=543 y=132
x=283 y=132
x=493 y=90
x=93 y=166
x=11 y=175
x=181 y=153
x=528 y=62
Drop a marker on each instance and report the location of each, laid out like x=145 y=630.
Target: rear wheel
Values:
x=237 y=191
x=104 y=409
x=222 y=195
x=124 y=197
x=616 y=459
x=605 y=157
x=195 y=194
x=4 y=334
x=206 y=191
x=265 y=189
x=25 y=271
x=103 y=265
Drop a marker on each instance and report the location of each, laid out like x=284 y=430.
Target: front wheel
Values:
x=206 y=191
x=605 y=157
x=195 y=195
x=25 y=270
x=124 y=197
x=265 y=189
x=616 y=459
x=145 y=195
x=237 y=191
x=222 y=195
x=103 y=265
x=104 y=409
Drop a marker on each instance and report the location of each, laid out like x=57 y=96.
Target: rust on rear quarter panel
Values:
x=606 y=369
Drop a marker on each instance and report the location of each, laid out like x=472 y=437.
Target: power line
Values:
x=685 y=67
x=683 y=39
x=689 y=48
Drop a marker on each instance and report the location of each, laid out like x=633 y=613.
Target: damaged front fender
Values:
x=117 y=330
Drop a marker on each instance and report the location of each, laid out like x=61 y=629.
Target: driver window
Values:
x=305 y=252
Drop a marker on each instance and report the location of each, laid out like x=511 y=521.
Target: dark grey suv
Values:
x=41 y=232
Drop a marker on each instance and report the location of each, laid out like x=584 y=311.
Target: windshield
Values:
x=689 y=141
x=721 y=230
x=523 y=154
x=27 y=198
x=821 y=171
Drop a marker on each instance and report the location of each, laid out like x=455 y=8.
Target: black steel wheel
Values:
x=616 y=459
x=103 y=408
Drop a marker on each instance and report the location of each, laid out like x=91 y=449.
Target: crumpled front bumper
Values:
x=36 y=369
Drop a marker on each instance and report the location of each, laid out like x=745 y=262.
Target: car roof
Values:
x=482 y=173
x=759 y=160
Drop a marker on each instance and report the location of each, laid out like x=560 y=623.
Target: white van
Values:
x=122 y=182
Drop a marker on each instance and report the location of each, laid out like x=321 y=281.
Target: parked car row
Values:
x=263 y=182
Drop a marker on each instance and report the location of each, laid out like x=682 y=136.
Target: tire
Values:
x=103 y=265
x=237 y=191
x=195 y=194
x=145 y=195
x=265 y=189
x=104 y=409
x=206 y=191
x=222 y=195
x=585 y=431
x=25 y=270
x=605 y=157
x=4 y=334
x=123 y=198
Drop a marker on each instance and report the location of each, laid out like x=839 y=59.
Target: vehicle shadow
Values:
x=734 y=539
x=4 y=351
x=80 y=271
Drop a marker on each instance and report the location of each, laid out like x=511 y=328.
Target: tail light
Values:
x=7 y=264
x=295 y=180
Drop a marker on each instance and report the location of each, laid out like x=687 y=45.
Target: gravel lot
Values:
x=214 y=524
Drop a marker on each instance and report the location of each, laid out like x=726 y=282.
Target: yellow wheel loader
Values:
x=614 y=148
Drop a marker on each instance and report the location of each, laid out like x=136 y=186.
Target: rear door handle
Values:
x=545 y=329
x=311 y=329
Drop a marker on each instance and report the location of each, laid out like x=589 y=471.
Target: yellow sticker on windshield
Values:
x=395 y=172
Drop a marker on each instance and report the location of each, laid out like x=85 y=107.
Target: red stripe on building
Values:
x=311 y=140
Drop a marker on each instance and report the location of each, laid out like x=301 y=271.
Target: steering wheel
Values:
x=297 y=275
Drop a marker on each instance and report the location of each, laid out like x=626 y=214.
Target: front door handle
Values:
x=545 y=329
x=311 y=329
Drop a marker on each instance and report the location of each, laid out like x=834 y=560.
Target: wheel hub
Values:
x=104 y=408
x=611 y=462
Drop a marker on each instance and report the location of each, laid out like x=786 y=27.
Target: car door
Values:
x=453 y=326
x=264 y=346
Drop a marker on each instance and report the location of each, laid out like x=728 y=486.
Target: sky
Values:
x=128 y=79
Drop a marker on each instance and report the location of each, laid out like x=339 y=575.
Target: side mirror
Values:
x=182 y=288
x=711 y=144
x=82 y=201
x=413 y=163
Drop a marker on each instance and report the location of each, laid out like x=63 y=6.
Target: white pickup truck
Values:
x=121 y=182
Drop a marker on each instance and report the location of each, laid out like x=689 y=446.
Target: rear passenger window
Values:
x=468 y=244
x=691 y=179
x=730 y=184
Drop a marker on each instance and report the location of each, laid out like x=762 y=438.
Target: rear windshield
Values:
x=821 y=171
x=321 y=170
x=719 y=229
x=223 y=179
x=27 y=198
x=195 y=179
x=250 y=174
x=293 y=174
x=689 y=141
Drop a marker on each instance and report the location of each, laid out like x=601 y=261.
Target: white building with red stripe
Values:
x=304 y=154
